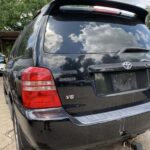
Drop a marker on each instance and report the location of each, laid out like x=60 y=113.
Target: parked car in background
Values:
x=2 y=63
x=78 y=76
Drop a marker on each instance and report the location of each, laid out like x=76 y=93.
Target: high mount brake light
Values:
x=106 y=10
x=100 y=9
x=38 y=89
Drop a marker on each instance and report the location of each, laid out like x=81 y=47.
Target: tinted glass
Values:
x=94 y=35
x=26 y=40
x=14 y=48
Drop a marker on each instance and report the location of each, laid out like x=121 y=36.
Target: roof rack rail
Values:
x=140 y=12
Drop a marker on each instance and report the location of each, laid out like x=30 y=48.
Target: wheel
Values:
x=18 y=142
x=17 y=135
x=5 y=94
x=21 y=143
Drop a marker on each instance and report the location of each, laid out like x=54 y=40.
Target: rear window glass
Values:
x=76 y=35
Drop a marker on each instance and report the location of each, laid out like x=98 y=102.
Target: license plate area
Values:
x=117 y=82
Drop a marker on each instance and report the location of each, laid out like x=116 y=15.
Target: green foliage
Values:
x=148 y=18
x=14 y=14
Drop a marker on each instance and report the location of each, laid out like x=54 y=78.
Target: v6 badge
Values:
x=70 y=97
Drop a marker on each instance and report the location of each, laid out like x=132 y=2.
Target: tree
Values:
x=14 y=14
x=148 y=18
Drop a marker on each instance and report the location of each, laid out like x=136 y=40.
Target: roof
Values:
x=140 y=12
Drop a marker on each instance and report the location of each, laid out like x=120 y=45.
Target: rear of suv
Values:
x=79 y=76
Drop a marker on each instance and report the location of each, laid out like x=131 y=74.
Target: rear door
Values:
x=99 y=62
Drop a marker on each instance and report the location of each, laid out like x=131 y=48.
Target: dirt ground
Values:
x=7 y=140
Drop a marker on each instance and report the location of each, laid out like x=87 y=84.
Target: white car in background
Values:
x=2 y=63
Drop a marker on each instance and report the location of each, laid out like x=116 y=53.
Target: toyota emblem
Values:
x=127 y=65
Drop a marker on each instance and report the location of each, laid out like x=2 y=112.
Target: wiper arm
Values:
x=131 y=50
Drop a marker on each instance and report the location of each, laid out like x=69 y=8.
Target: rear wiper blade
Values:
x=131 y=50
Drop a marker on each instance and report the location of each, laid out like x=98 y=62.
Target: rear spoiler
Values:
x=56 y=4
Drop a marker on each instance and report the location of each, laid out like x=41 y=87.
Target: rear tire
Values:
x=21 y=143
x=17 y=135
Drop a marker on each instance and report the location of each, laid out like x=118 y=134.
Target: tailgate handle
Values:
x=118 y=67
x=105 y=68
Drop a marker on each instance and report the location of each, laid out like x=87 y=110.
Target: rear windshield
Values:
x=87 y=34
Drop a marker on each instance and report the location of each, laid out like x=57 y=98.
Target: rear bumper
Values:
x=79 y=133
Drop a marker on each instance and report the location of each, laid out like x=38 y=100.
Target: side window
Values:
x=14 y=48
x=25 y=40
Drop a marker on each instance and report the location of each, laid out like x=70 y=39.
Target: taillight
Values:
x=38 y=89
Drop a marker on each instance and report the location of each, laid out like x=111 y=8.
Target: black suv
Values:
x=79 y=75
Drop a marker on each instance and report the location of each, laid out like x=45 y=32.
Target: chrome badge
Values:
x=70 y=97
x=127 y=65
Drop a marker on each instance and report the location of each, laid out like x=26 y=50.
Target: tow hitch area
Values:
x=133 y=144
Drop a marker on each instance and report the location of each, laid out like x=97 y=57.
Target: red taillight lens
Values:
x=38 y=89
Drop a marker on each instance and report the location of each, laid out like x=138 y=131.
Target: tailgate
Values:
x=90 y=78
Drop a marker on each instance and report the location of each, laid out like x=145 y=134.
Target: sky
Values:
x=145 y=2
x=141 y=3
